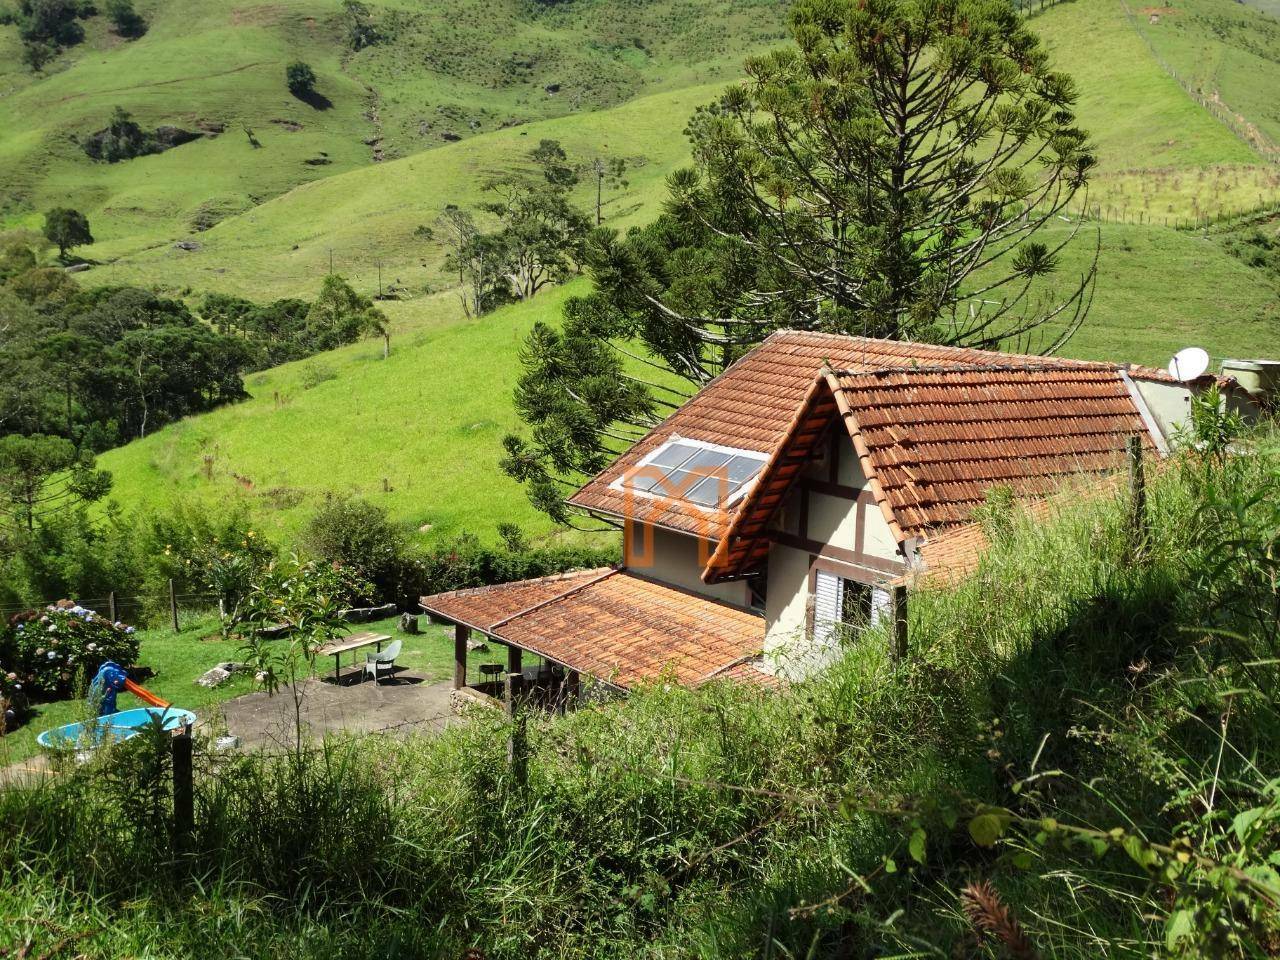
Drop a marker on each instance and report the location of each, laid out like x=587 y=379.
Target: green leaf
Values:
x=986 y=829
x=1245 y=820
x=1179 y=926
x=916 y=847
x=890 y=866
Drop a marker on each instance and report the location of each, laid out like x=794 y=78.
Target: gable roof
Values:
x=753 y=405
x=932 y=441
x=615 y=625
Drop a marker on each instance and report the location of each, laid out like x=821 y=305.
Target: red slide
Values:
x=145 y=695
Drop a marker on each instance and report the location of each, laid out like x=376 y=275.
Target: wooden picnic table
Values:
x=336 y=648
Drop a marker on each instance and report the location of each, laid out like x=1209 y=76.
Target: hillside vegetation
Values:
x=430 y=419
x=1094 y=738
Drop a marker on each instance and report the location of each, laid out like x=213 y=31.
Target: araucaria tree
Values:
x=890 y=174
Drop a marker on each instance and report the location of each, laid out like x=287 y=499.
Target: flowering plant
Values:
x=13 y=701
x=52 y=645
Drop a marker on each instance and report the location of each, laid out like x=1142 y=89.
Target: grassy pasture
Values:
x=454 y=69
x=429 y=419
x=365 y=216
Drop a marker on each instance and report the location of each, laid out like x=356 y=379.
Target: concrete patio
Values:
x=407 y=703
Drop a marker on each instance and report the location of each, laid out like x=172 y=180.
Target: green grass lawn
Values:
x=177 y=659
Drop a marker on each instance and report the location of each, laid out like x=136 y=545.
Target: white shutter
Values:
x=826 y=602
x=881 y=601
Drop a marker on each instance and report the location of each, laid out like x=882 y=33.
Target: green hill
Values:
x=441 y=71
x=429 y=419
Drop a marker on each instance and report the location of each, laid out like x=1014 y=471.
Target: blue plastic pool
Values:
x=114 y=726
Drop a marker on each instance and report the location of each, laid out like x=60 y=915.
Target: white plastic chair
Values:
x=376 y=663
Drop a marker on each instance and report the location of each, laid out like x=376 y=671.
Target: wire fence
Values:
x=1212 y=102
x=171 y=608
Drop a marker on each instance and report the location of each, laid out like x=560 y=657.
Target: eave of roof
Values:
x=614 y=625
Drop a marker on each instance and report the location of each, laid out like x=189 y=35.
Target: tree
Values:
x=888 y=175
x=474 y=257
x=541 y=233
x=361 y=30
x=611 y=171
x=41 y=473
x=301 y=79
x=127 y=21
x=340 y=315
x=36 y=53
x=67 y=229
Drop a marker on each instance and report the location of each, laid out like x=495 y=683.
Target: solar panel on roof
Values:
x=705 y=475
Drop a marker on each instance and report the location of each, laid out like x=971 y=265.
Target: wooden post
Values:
x=111 y=607
x=461 y=635
x=514 y=659
x=173 y=606
x=518 y=749
x=183 y=790
x=514 y=691
x=898 y=606
x=1137 y=493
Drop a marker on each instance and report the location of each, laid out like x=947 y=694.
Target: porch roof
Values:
x=616 y=626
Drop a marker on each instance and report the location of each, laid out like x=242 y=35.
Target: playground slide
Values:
x=145 y=695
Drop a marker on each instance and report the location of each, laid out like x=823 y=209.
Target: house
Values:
x=790 y=501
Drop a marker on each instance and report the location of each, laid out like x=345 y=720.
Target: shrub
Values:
x=54 y=645
x=300 y=78
x=314 y=374
x=359 y=536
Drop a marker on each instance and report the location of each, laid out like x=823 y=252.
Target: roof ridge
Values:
x=1071 y=366
x=549 y=578
x=559 y=596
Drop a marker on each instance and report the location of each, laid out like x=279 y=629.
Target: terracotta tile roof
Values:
x=750 y=670
x=482 y=607
x=937 y=440
x=934 y=440
x=616 y=626
x=753 y=404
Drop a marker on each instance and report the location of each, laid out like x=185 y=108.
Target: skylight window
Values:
x=704 y=474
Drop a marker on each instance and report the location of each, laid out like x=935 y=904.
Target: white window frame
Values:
x=649 y=457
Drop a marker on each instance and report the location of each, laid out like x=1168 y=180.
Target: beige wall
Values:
x=1169 y=404
x=831 y=521
x=678 y=559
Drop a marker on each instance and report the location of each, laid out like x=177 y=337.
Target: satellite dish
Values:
x=1188 y=364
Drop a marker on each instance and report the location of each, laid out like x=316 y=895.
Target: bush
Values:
x=301 y=79
x=359 y=536
x=54 y=646
x=314 y=374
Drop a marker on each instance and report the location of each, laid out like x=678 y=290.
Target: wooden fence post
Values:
x=898 y=607
x=461 y=635
x=183 y=790
x=111 y=607
x=173 y=606
x=518 y=749
x=1137 y=493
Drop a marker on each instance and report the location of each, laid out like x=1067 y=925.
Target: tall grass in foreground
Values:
x=1079 y=760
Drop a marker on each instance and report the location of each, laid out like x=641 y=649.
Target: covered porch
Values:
x=602 y=629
